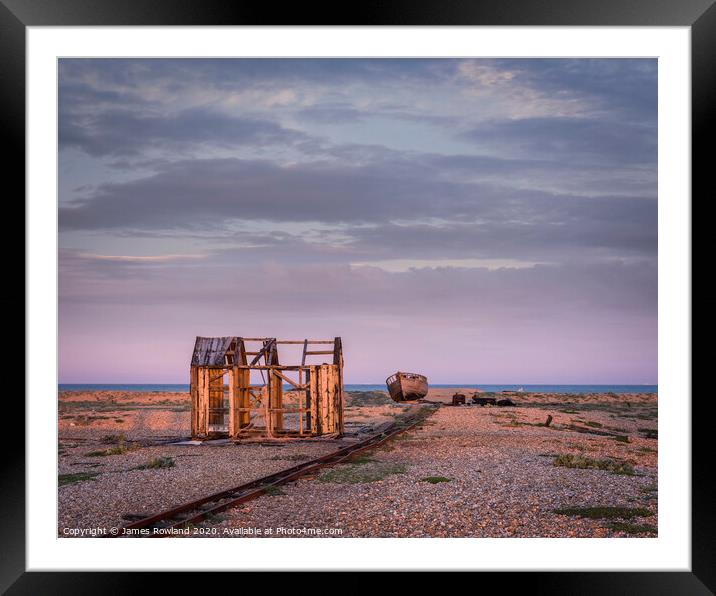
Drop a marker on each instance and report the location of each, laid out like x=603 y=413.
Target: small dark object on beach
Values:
x=505 y=402
x=484 y=401
x=549 y=420
x=458 y=399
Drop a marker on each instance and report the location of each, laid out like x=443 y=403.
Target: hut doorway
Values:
x=218 y=422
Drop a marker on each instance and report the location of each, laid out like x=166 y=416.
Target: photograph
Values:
x=357 y=297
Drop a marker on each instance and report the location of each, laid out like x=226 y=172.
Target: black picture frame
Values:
x=16 y=15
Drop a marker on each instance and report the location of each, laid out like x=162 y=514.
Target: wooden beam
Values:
x=275 y=399
x=289 y=381
x=294 y=367
x=338 y=351
x=242 y=352
x=262 y=352
x=300 y=341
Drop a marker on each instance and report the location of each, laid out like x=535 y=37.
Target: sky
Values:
x=475 y=220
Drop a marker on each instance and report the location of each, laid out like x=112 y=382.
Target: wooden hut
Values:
x=299 y=400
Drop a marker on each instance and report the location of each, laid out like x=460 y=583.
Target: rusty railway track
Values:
x=195 y=511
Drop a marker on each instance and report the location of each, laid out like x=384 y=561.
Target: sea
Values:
x=381 y=387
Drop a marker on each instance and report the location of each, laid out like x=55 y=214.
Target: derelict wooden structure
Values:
x=237 y=388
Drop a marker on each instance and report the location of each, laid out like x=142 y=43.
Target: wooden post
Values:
x=309 y=402
x=234 y=401
x=265 y=400
x=243 y=380
x=202 y=402
x=194 y=393
x=315 y=400
x=275 y=400
x=338 y=362
x=326 y=395
x=237 y=390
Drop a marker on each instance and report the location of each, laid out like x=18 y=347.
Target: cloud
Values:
x=533 y=292
x=504 y=208
x=156 y=100
x=122 y=133
x=333 y=113
x=621 y=87
x=573 y=323
x=389 y=210
x=139 y=258
x=594 y=141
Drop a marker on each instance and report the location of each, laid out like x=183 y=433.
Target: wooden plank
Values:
x=275 y=353
x=245 y=398
x=338 y=351
x=338 y=361
x=289 y=381
x=276 y=400
x=323 y=395
x=263 y=352
x=331 y=393
x=301 y=402
x=218 y=374
x=267 y=416
x=203 y=402
x=300 y=341
x=326 y=398
x=242 y=352
x=271 y=367
x=199 y=401
x=315 y=421
x=233 y=420
x=193 y=395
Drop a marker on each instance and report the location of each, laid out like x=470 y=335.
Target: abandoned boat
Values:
x=404 y=386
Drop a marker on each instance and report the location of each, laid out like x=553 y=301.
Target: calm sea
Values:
x=381 y=387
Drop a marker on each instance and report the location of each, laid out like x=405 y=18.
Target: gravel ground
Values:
x=497 y=467
x=198 y=471
x=111 y=488
x=501 y=482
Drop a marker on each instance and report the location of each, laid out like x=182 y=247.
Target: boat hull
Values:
x=407 y=386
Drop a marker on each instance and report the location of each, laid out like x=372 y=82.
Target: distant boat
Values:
x=404 y=386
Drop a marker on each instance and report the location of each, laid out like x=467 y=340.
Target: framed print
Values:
x=407 y=293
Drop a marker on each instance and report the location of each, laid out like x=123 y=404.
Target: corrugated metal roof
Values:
x=211 y=351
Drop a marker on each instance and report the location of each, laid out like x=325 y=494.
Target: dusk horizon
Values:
x=461 y=218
